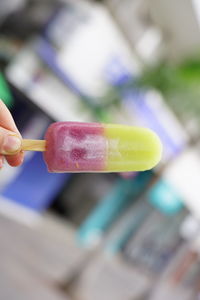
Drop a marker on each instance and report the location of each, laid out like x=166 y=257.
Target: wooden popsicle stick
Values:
x=33 y=145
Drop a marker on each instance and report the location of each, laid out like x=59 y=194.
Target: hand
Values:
x=10 y=139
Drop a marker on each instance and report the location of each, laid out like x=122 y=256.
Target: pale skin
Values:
x=10 y=139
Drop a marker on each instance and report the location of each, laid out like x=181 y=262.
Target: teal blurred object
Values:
x=111 y=207
x=165 y=198
x=133 y=220
x=5 y=93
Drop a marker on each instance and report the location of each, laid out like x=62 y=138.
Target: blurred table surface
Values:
x=33 y=260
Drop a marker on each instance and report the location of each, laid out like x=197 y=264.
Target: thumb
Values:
x=10 y=142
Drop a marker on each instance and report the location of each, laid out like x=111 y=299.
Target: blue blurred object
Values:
x=34 y=188
x=109 y=208
x=165 y=198
x=116 y=72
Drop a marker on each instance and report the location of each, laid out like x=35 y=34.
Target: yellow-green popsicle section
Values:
x=131 y=148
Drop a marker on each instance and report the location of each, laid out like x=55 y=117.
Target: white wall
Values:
x=179 y=22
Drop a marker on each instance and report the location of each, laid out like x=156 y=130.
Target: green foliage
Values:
x=179 y=84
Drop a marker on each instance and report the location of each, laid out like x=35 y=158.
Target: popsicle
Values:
x=93 y=147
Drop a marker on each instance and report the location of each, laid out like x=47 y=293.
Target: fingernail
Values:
x=12 y=145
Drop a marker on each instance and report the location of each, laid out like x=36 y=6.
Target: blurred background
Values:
x=130 y=236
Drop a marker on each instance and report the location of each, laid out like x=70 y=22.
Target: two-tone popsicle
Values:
x=94 y=147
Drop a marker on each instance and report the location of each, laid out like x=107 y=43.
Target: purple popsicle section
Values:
x=75 y=146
